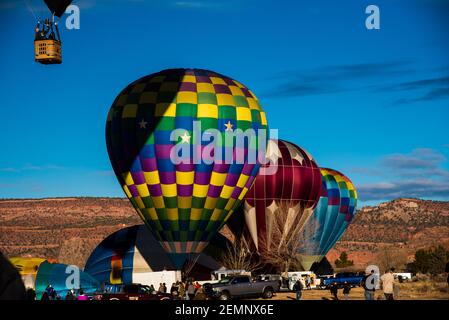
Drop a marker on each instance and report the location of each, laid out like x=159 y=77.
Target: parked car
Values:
x=129 y=292
x=241 y=286
x=403 y=276
x=352 y=278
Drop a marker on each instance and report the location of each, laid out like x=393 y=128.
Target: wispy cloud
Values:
x=426 y=188
x=336 y=78
x=197 y=4
x=420 y=173
x=370 y=77
x=31 y=167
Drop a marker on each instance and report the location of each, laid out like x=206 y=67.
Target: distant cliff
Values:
x=404 y=224
x=69 y=228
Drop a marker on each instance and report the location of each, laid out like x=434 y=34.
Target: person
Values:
x=199 y=295
x=388 y=284
x=46 y=27
x=174 y=289
x=334 y=290
x=297 y=287
x=82 y=296
x=51 y=292
x=39 y=34
x=45 y=296
x=308 y=283
x=191 y=291
x=152 y=290
x=346 y=290
x=164 y=288
x=182 y=290
x=197 y=286
x=161 y=288
x=31 y=294
x=70 y=295
x=369 y=285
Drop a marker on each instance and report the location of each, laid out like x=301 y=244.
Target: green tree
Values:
x=432 y=260
x=343 y=261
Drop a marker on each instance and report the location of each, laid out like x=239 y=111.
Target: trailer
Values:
x=157 y=277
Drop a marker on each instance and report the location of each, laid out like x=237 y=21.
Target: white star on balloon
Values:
x=229 y=126
x=185 y=138
x=143 y=124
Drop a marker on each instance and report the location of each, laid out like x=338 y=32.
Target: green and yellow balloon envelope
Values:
x=183 y=204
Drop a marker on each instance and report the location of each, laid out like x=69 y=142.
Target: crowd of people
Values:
x=188 y=290
x=51 y=294
x=370 y=283
x=48 y=30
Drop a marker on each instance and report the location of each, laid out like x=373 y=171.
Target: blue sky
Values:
x=373 y=104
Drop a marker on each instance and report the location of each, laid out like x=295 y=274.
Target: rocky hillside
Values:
x=402 y=224
x=69 y=228
x=42 y=227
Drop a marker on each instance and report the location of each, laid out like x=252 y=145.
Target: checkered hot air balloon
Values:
x=296 y=184
x=183 y=204
x=331 y=217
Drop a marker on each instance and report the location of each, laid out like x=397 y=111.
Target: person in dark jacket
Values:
x=31 y=294
x=369 y=283
x=346 y=290
x=174 y=291
x=70 y=295
x=334 y=290
x=45 y=296
x=11 y=284
x=297 y=287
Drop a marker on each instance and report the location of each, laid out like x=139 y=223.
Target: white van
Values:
x=301 y=276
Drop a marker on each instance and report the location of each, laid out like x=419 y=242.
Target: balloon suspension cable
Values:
x=30 y=9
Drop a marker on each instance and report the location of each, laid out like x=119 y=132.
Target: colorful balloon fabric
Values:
x=27 y=267
x=183 y=204
x=296 y=182
x=63 y=278
x=331 y=217
x=128 y=255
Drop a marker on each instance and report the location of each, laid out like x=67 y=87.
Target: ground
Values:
x=408 y=291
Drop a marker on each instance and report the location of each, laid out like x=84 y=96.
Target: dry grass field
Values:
x=422 y=290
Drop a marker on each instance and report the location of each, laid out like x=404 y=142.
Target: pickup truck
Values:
x=241 y=286
x=129 y=292
x=353 y=279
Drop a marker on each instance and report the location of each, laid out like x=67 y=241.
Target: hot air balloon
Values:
x=63 y=278
x=57 y=7
x=331 y=217
x=130 y=254
x=27 y=267
x=296 y=184
x=38 y=273
x=184 y=199
x=47 y=42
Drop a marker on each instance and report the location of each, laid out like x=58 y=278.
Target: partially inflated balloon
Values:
x=183 y=203
x=62 y=278
x=128 y=255
x=331 y=217
x=297 y=183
